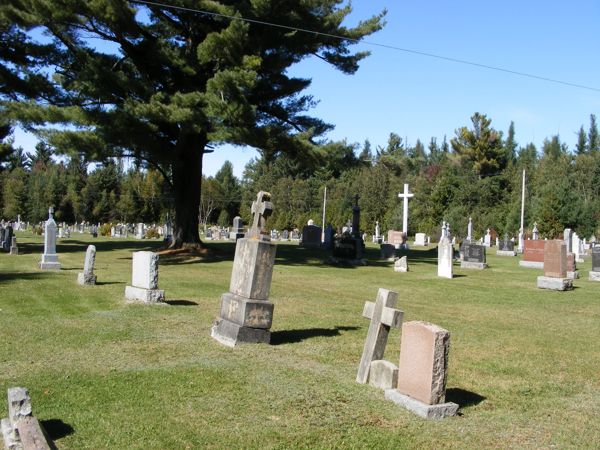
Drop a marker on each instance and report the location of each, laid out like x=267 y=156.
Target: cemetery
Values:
x=158 y=380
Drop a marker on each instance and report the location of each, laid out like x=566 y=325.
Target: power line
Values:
x=375 y=44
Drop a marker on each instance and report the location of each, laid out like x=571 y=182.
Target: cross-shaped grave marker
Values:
x=405 y=196
x=261 y=209
x=383 y=316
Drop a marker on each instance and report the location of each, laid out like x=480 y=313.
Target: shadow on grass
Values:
x=293 y=336
x=181 y=303
x=56 y=428
x=463 y=398
x=102 y=283
x=10 y=276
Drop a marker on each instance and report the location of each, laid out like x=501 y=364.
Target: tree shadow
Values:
x=56 y=428
x=463 y=397
x=294 y=336
x=181 y=303
x=10 y=276
x=102 y=283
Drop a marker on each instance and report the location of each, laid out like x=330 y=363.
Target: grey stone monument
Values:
x=568 y=238
x=87 y=276
x=21 y=430
x=246 y=313
x=14 y=250
x=474 y=257
x=595 y=272
x=8 y=235
x=535 y=234
x=237 y=230
x=144 y=279
x=50 y=258
x=445 y=257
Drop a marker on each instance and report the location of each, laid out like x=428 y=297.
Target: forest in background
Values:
x=476 y=173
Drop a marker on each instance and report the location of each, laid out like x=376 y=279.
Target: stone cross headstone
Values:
x=87 y=277
x=383 y=316
x=405 y=196
x=422 y=371
x=144 y=279
x=445 y=258
x=50 y=258
x=246 y=314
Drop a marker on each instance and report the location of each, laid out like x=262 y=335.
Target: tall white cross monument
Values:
x=405 y=196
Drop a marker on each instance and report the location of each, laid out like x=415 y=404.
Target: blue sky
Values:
x=419 y=97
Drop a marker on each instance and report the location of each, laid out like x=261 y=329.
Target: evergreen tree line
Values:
x=477 y=173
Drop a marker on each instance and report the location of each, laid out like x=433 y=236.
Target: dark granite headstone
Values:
x=506 y=246
x=345 y=248
x=311 y=236
x=8 y=234
x=388 y=251
x=596 y=259
x=474 y=253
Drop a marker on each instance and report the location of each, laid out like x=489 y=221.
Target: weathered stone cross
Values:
x=261 y=209
x=383 y=316
x=405 y=196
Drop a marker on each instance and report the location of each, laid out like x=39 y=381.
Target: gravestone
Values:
x=506 y=247
x=421 y=239
x=395 y=238
x=577 y=248
x=533 y=254
x=487 y=240
x=568 y=238
x=388 y=251
x=470 y=230
x=572 y=266
x=21 y=430
x=139 y=233
x=377 y=236
x=423 y=370
x=144 y=279
x=8 y=236
x=473 y=257
x=2 y=233
x=535 y=232
x=237 y=230
x=285 y=235
x=50 y=258
x=87 y=277
x=350 y=249
x=208 y=235
x=311 y=236
x=594 y=274
x=246 y=313
x=14 y=250
x=555 y=267
x=401 y=264
x=445 y=258
x=383 y=316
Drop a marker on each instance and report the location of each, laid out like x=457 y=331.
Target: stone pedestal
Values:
x=573 y=275
x=144 y=279
x=594 y=276
x=506 y=253
x=555 y=284
x=246 y=314
x=472 y=265
x=532 y=264
x=430 y=412
x=49 y=262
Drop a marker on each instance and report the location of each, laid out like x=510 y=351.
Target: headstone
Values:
x=139 y=233
x=311 y=236
x=14 y=250
x=395 y=238
x=144 y=279
x=237 y=230
x=470 y=230
x=423 y=371
x=388 y=251
x=21 y=430
x=595 y=272
x=521 y=242
x=533 y=254
x=285 y=235
x=487 y=240
x=383 y=316
x=474 y=257
x=535 y=232
x=568 y=238
x=87 y=277
x=349 y=249
x=246 y=313
x=209 y=234
x=555 y=267
x=445 y=258
x=310 y=222
x=329 y=236
x=577 y=248
x=8 y=236
x=572 y=266
x=295 y=235
x=377 y=236
x=421 y=239
x=405 y=196
x=50 y=258
x=401 y=264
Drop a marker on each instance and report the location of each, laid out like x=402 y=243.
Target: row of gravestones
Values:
x=8 y=242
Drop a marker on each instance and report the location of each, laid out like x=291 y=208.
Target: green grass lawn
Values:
x=524 y=362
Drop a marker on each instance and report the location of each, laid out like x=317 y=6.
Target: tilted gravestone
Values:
x=401 y=264
x=595 y=272
x=50 y=258
x=383 y=316
x=246 y=314
x=473 y=257
x=144 y=279
x=422 y=371
x=21 y=430
x=87 y=276
x=555 y=267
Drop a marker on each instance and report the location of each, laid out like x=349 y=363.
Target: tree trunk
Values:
x=187 y=180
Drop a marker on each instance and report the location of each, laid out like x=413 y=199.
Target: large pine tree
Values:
x=163 y=83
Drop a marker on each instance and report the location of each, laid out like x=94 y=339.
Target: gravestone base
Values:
x=532 y=264
x=429 y=412
x=573 y=275
x=594 y=276
x=11 y=440
x=14 y=250
x=555 y=284
x=86 y=278
x=383 y=374
x=232 y=334
x=49 y=262
x=246 y=312
x=150 y=296
x=505 y=253
x=473 y=265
